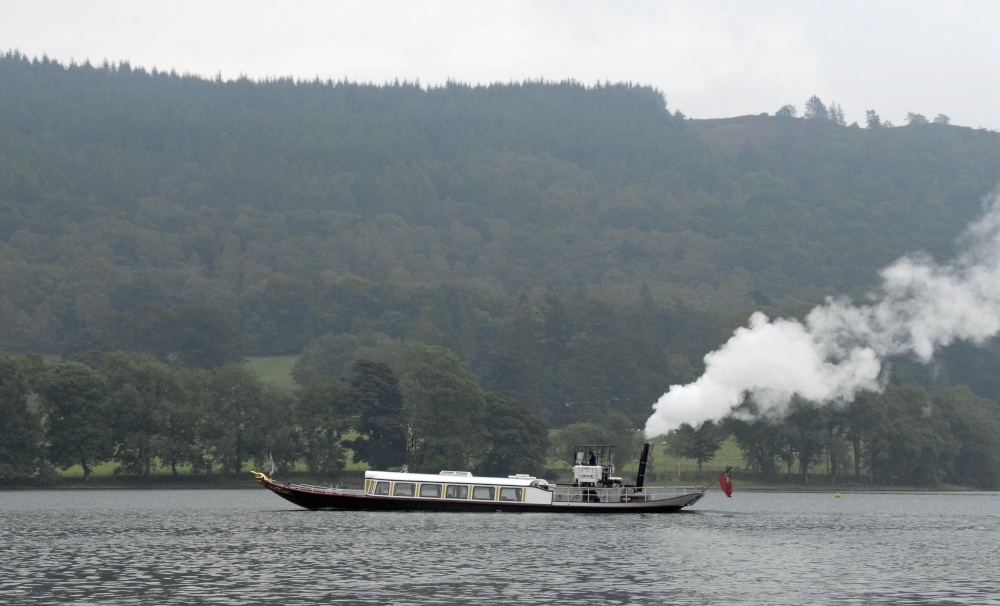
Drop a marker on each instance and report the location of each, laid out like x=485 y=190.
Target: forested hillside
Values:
x=579 y=247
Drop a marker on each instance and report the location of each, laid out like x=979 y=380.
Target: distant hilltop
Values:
x=581 y=246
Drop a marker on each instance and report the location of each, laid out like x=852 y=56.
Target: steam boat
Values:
x=594 y=490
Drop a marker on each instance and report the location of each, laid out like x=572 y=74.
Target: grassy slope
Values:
x=275 y=370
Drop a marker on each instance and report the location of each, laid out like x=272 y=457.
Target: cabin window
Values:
x=403 y=489
x=381 y=488
x=430 y=491
x=510 y=494
x=457 y=492
x=484 y=493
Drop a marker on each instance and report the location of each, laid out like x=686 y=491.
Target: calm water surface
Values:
x=250 y=547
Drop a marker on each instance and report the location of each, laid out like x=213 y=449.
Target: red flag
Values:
x=726 y=484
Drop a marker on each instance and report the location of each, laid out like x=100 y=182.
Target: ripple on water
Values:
x=239 y=547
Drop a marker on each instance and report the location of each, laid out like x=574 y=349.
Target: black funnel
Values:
x=641 y=476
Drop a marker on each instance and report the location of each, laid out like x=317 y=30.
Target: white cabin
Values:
x=458 y=485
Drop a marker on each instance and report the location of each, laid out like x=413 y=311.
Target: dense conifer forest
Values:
x=563 y=252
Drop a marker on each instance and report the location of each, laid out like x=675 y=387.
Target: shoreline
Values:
x=356 y=478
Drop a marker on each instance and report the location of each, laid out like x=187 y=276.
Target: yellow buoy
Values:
x=836 y=496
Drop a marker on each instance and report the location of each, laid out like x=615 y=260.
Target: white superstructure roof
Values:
x=450 y=478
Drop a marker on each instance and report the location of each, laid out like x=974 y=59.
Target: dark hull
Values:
x=318 y=500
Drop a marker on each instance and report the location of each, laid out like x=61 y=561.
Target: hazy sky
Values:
x=711 y=59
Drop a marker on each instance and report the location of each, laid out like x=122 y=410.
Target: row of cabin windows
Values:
x=451 y=491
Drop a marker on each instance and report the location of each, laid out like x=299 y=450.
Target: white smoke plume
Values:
x=838 y=350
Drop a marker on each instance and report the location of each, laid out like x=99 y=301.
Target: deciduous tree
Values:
x=786 y=111
x=321 y=421
x=74 y=402
x=518 y=439
x=702 y=443
x=241 y=419
x=141 y=393
x=445 y=410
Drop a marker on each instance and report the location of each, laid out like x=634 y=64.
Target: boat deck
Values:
x=327 y=489
x=619 y=494
x=560 y=494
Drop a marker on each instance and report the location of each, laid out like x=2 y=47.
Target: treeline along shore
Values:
x=167 y=425
x=469 y=275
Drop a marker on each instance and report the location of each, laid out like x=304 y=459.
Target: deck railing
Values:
x=327 y=489
x=586 y=494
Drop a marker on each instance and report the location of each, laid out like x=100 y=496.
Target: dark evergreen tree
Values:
x=375 y=400
x=816 y=109
x=22 y=451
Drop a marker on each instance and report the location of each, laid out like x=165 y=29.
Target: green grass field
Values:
x=728 y=455
x=275 y=370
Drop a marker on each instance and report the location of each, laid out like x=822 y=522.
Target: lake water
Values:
x=250 y=547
